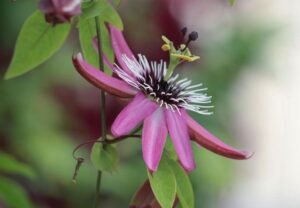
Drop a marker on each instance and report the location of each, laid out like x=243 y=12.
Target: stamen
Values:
x=183 y=31
x=192 y=37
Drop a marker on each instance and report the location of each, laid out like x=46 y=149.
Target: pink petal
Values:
x=120 y=47
x=119 y=41
x=134 y=113
x=204 y=138
x=179 y=134
x=101 y=80
x=154 y=138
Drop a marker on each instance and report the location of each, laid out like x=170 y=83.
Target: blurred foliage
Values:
x=223 y=63
x=33 y=123
x=11 y=166
x=232 y=2
x=12 y=193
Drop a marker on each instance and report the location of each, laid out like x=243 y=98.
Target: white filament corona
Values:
x=171 y=94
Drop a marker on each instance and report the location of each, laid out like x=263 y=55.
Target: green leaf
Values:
x=11 y=166
x=231 y=2
x=184 y=186
x=87 y=31
x=104 y=157
x=170 y=151
x=13 y=194
x=104 y=10
x=117 y=2
x=163 y=184
x=36 y=43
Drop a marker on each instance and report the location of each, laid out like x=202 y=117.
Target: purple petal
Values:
x=204 y=138
x=101 y=80
x=154 y=138
x=120 y=47
x=179 y=134
x=134 y=113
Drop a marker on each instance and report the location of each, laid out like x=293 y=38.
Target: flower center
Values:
x=171 y=93
x=161 y=91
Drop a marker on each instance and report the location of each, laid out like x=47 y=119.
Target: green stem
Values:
x=101 y=65
x=98 y=184
x=172 y=65
x=102 y=107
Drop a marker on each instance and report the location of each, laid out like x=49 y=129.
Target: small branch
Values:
x=80 y=160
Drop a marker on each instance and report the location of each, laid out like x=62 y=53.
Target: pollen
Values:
x=165 y=47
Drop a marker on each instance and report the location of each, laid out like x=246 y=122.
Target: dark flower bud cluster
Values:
x=59 y=11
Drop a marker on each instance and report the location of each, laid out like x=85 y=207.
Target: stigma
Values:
x=181 y=53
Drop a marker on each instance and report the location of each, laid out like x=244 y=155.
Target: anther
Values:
x=192 y=37
x=183 y=31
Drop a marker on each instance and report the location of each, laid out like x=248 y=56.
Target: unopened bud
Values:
x=59 y=11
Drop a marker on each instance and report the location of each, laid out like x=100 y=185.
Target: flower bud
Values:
x=59 y=11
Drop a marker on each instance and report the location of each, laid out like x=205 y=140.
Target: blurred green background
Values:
x=44 y=114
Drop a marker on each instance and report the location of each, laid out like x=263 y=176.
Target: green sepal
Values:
x=163 y=184
x=184 y=188
x=104 y=157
